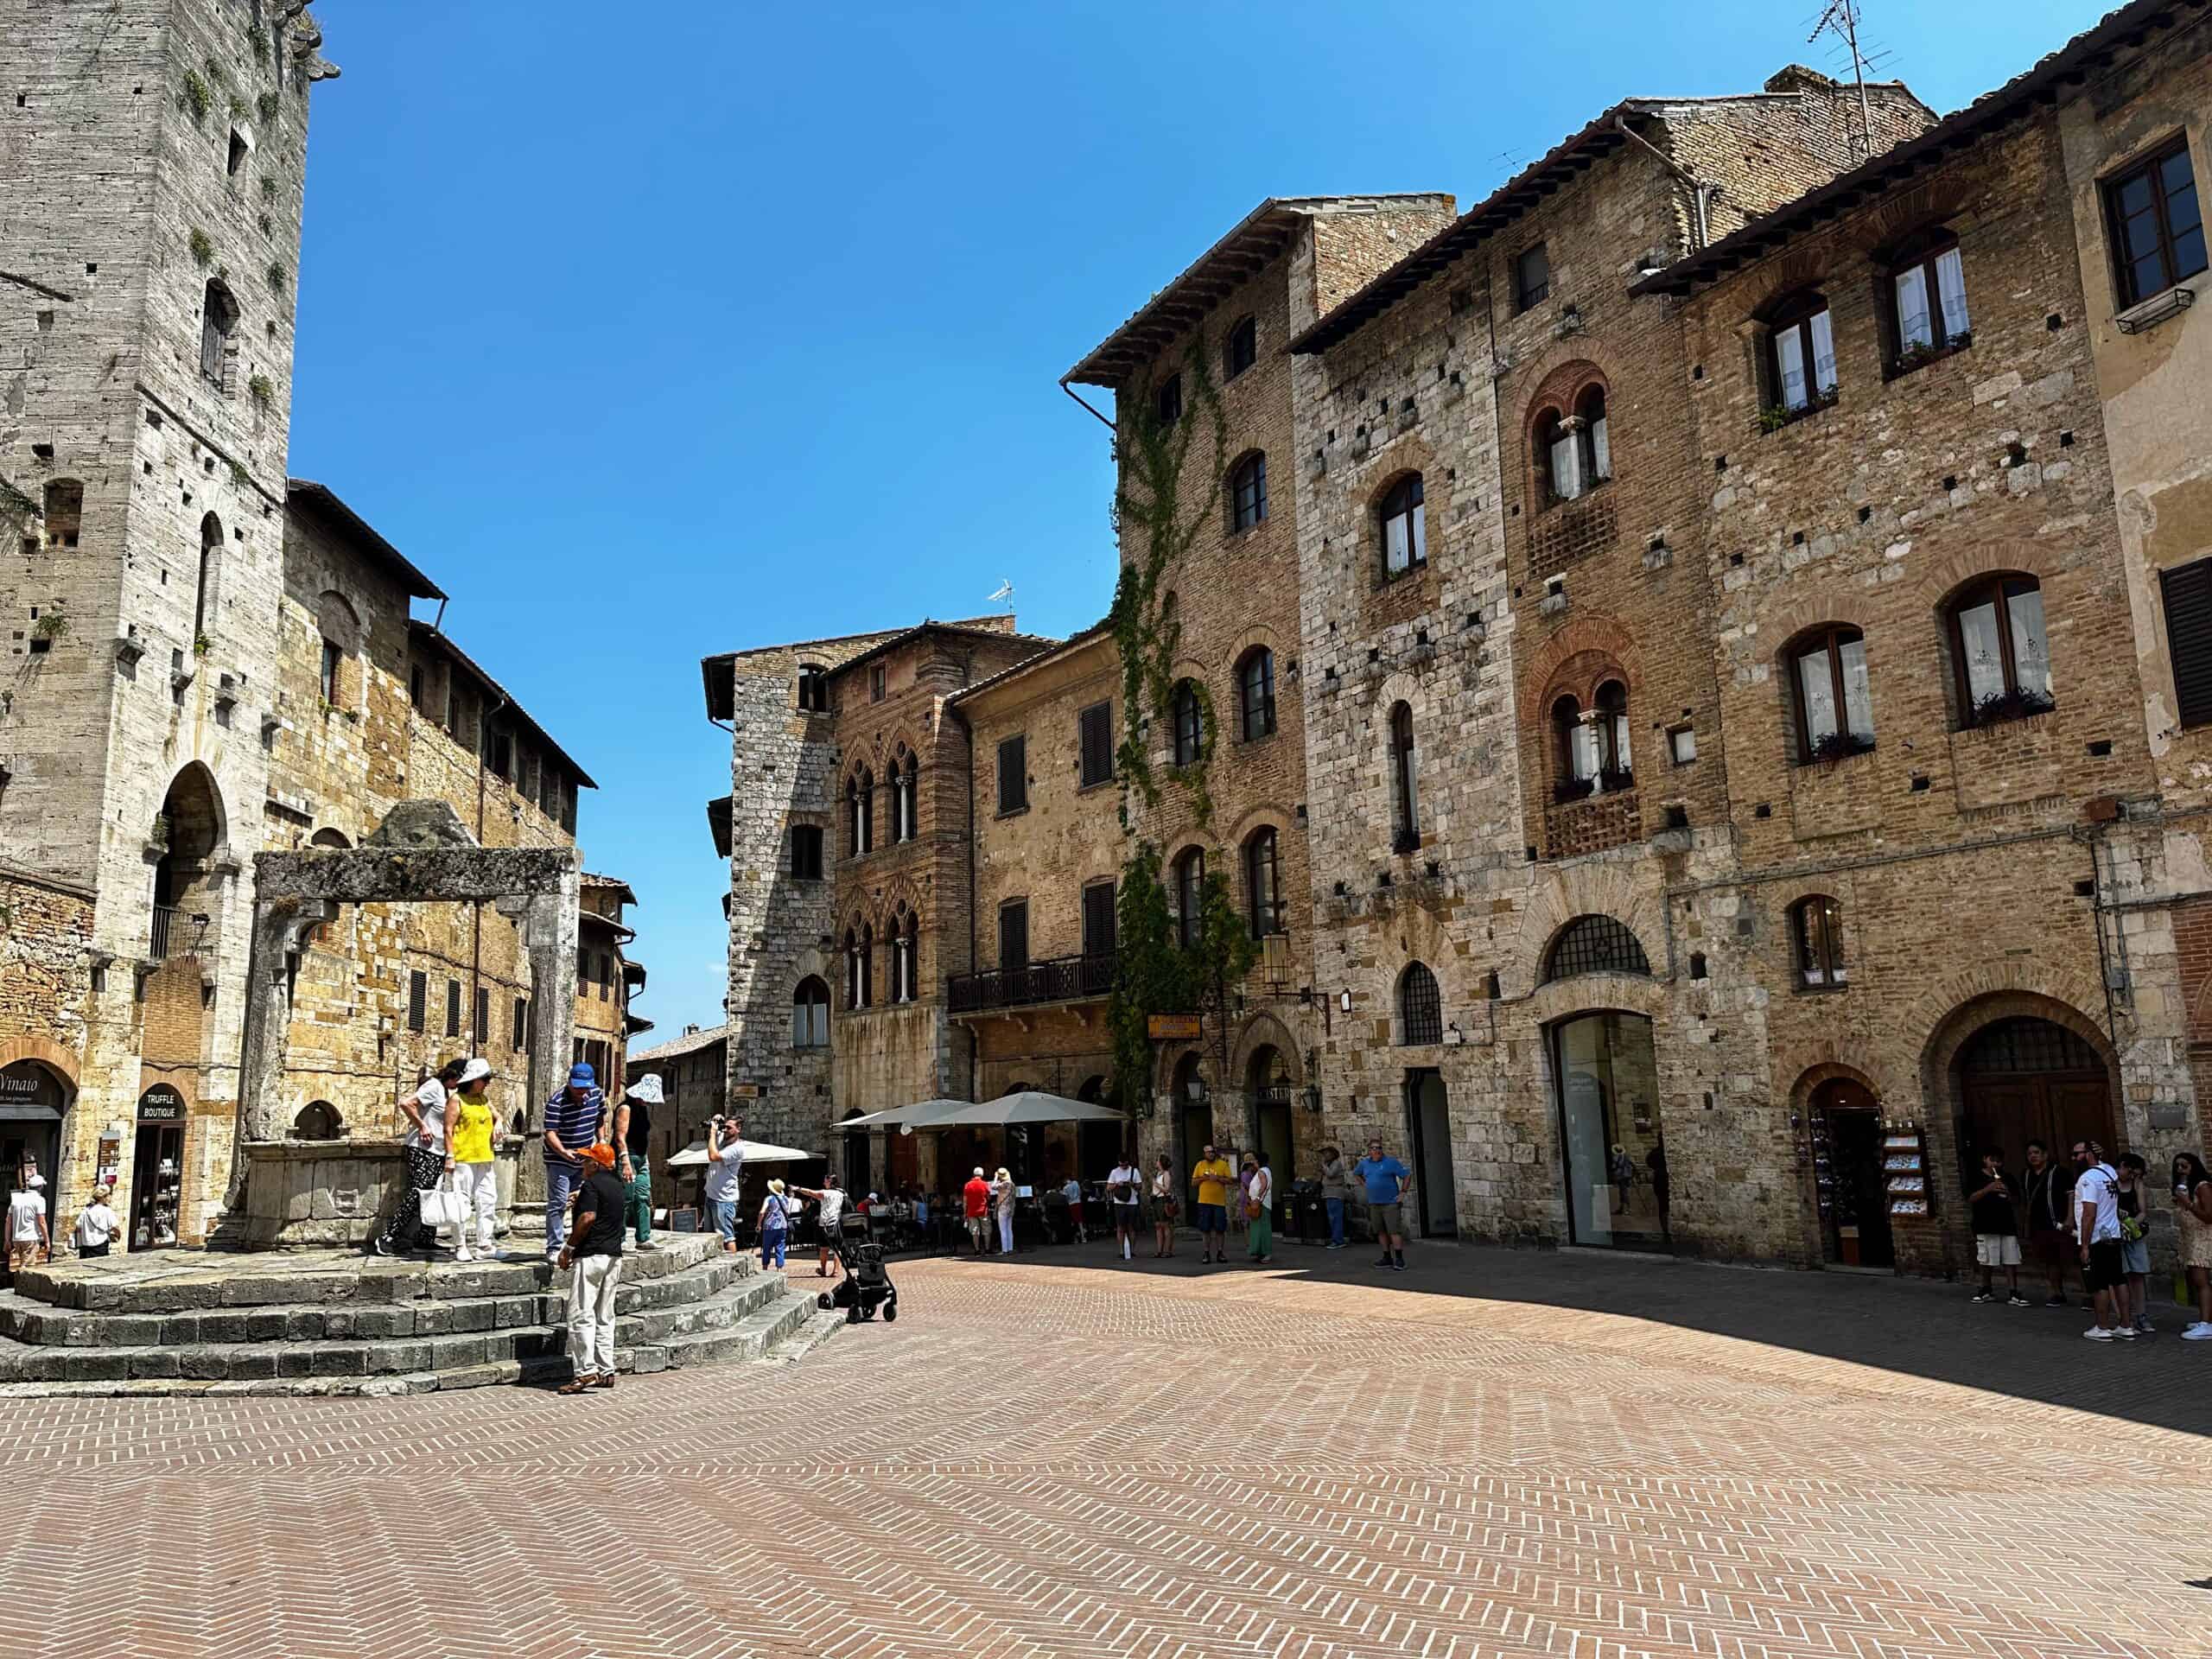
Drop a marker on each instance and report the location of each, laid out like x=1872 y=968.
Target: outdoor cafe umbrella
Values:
x=905 y=1119
x=1028 y=1106
x=756 y=1151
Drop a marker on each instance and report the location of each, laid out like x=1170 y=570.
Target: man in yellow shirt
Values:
x=1214 y=1177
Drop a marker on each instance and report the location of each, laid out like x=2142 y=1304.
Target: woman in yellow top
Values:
x=1215 y=1176
x=472 y=1134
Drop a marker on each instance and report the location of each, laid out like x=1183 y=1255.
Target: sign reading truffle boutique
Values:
x=161 y=1104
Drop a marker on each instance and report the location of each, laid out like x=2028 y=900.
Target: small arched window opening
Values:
x=859 y=812
x=1594 y=944
x=317 y=1121
x=219 y=315
x=860 y=980
x=813 y=689
x=65 y=511
x=1405 y=779
x=811 y=1014
x=1421 y=1006
x=1800 y=353
x=1615 y=770
x=1255 y=690
x=1928 y=296
x=204 y=594
x=1816 y=930
x=905 y=776
x=1190 y=895
x=1242 y=349
x=2002 y=656
x=1262 y=885
x=1834 y=706
x=1575 y=450
x=1248 y=492
x=1574 y=751
x=1404 y=517
x=910 y=938
x=1189 y=724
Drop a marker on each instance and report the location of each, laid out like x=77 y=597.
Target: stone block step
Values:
x=820 y=1324
x=455 y=1311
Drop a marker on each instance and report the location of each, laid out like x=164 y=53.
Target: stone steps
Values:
x=342 y=1327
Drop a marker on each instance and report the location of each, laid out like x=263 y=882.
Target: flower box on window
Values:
x=1838 y=746
x=1573 y=789
x=1925 y=351
x=2016 y=704
x=1615 y=778
x=1775 y=417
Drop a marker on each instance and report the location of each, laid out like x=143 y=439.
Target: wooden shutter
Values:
x=1098 y=919
x=1095 y=736
x=2187 y=593
x=1013 y=774
x=1013 y=935
x=453 y=1007
x=418 y=991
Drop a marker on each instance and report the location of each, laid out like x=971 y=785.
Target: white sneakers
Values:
x=2199 y=1332
x=2097 y=1333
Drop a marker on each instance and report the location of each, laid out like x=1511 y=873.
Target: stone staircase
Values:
x=332 y=1323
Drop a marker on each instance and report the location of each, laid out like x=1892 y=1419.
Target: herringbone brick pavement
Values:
x=1497 y=1455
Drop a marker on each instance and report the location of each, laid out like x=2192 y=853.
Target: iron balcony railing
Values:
x=1062 y=979
x=167 y=932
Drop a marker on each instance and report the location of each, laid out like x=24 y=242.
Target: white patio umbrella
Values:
x=1029 y=1106
x=756 y=1151
x=903 y=1118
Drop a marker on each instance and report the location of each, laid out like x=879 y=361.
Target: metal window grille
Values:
x=1421 y=1006
x=1595 y=945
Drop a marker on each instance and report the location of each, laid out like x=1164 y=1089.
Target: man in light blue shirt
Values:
x=1387 y=1182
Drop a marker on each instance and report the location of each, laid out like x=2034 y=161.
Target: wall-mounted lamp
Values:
x=1343 y=1002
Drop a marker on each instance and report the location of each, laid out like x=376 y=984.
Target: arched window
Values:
x=218 y=315
x=1816 y=929
x=857 y=987
x=859 y=811
x=1998 y=642
x=811 y=1014
x=1189 y=895
x=1248 y=492
x=1574 y=451
x=813 y=689
x=1927 y=294
x=1405 y=779
x=1827 y=678
x=1614 y=768
x=1595 y=436
x=1262 y=885
x=906 y=775
x=910 y=937
x=211 y=561
x=1594 y=944
x=1189 y=724
x=1800 y=352
x=1575 y=752
x=1421 y=1006
x=318 y=1121
x=1405 y=528
x=65 y=511
x=1256 y=692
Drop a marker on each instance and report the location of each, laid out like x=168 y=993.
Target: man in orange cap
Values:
x=593 y=1251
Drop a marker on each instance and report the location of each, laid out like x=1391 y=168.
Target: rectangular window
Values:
x=1681 y=743
x=1013 y=774
x=1532 y=277
x=1168 y=401
x=1098 y=919
x=332 y=657
x=526 y=773
x=453 y=1007
x=1243 y=346
x=1013 y=935
x=483 y=1016
x=806 y=852
x=418 y=995
x=2158 y=231
x=2188 y=592
x=501 y=755
x=1095 y=739
x=875 y=684
x=519 y=1033
x=417 y=686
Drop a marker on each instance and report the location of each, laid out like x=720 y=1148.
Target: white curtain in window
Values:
x=1915 y=327
x=1397 y=554
x=1420 y=516
x=1567 y=467
x=1582 y=744
x=1601 y=451
x=2030 y=650
x=1951 y=279
x=1789 y=356
x=1620 y=741
x=1857 y=703
x=1823 y=353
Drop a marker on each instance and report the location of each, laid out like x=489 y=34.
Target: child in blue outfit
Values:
x=775 y=1226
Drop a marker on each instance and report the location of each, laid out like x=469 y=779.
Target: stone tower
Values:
x=156 y=154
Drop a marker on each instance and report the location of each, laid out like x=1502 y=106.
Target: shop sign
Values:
x=26 y=1083
x=161 y=1104
x=745 y=1091
x=1171 y=1028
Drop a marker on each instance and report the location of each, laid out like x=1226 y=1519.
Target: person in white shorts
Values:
x=1996 y=1228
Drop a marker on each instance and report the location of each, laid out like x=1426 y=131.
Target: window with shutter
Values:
x=418 y=995
x=483 y=1017
x=1098 y=919
x=2187 y=593
x=520 y=1035
x=1013 y=935
x=453 y=1007
x=1094 y=737
x=1013 y=774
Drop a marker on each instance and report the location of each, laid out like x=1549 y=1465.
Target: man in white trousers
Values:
x=593 y=1251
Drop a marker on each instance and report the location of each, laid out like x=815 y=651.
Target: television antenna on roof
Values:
x=1842 y=17
x=1005 y=595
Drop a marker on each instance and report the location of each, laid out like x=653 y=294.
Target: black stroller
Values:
x=866 y=1284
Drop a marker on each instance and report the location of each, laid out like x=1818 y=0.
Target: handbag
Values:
x=441 y=1206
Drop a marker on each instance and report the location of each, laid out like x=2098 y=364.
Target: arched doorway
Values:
x=1193 y=1125
x=1611 y=1153
x=1268 y=1077
x=1847 y=1173
x=34 y=1099
x=157 y=1169
x=2024 y=1078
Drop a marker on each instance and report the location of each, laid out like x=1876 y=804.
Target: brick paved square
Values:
x=1496 y=1453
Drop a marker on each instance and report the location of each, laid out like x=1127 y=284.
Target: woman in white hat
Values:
x=471 y=1137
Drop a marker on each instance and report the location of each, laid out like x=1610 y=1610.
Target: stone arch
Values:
x=199 y=827
x=1257 y=633
x=1265 y=1030
x=1968 y=1017
x=1593 y=640
x=1934 y=202
x=1586 y=890
x=339 y=619
x=319 y=1120
x=1785 y=275
x=1266 y=812
x=1944 y=576
x=1811 y=1073
x=1788 y=615
x=49 y=1053
x=333 y=839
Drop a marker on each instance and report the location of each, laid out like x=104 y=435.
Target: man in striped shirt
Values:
x=571 y=1126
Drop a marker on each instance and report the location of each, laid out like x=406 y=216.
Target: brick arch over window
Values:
x=1599 y=637
x=1931 y=204
x=1265 y=1030
x=1942 y=581
x=1600 y=889
x=1566 y=395
x=1780 y=277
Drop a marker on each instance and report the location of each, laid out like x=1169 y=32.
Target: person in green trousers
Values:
x=1259 y=1210
x=633 y=1127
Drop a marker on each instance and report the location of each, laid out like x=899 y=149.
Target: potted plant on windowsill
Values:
x=2016 y=703
x=1617 y=779
x=1573 y=789
x=1838 y=746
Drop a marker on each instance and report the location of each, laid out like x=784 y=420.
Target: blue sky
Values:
x=655 y=334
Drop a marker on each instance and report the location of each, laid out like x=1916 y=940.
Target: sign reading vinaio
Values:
x=1173 y=1028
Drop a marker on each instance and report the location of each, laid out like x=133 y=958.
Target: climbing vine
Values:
x=1156 y=522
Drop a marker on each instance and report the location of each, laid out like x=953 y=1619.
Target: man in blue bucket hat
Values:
x=571 y=1126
